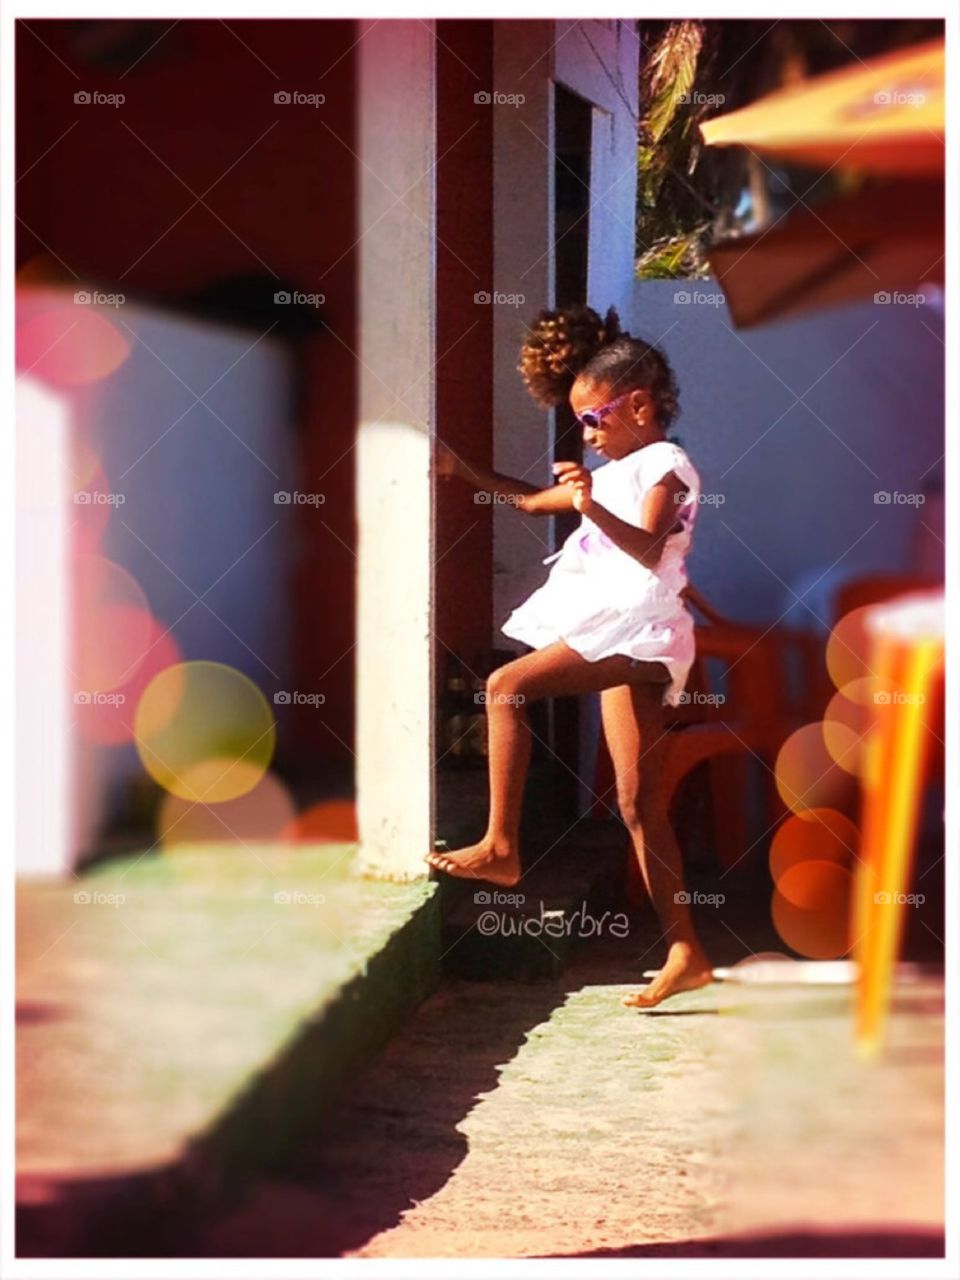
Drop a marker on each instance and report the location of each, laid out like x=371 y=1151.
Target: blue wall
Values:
x=798 y=479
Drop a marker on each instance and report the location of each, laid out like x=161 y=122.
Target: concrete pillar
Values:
x=397 y=292
x=56 y=795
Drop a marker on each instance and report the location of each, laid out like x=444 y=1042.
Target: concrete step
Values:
x=183 y=1019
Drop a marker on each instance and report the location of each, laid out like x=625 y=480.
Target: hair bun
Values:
x=558 y=346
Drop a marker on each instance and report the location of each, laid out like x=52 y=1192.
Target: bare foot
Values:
x=686 y=969
x=482 y=861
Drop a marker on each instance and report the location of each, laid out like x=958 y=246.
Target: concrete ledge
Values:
x=185 y=1020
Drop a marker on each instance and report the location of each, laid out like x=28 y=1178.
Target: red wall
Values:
x=114 y=192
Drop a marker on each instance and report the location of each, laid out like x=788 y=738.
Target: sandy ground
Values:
x=543 y=1119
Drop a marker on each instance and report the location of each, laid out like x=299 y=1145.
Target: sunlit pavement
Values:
x=505 y=1118
x=545 y=1119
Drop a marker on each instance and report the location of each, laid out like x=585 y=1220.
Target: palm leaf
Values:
x=675 y=256
x=671 y=71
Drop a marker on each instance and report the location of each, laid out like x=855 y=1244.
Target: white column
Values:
x=397 y=290
x=55 y=811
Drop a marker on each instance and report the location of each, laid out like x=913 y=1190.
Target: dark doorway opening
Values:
x=573 y=121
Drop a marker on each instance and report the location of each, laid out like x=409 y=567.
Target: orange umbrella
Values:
x=883 y=116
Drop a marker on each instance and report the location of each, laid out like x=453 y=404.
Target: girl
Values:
x=610 y=617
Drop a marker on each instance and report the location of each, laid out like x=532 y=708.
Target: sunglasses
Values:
x=593 y=417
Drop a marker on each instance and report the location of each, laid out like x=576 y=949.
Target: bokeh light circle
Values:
x=816 y=835
x=847 y=723
x=70 y=345
x=808 y=777
x=811 y=909
x=112 y=623
x=204 y=731
x=326 y=822
x=259 y=815
x=848 y=648
x=107 y=717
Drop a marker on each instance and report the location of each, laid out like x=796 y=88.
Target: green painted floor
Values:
x=152 y=990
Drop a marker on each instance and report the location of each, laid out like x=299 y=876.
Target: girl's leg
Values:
x=633 y=726
x=547 y=673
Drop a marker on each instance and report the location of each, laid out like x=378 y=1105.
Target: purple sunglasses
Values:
x=593 y=417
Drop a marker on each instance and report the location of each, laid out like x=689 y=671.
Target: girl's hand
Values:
x=446 y=463
x=580 y=480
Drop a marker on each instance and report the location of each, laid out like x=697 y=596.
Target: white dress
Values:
x=601 y=601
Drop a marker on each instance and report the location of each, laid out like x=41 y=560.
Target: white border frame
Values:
x=216 y=1269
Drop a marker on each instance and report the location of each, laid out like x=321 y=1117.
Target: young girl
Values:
x=610 y=617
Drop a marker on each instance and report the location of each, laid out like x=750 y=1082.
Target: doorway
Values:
x=573 y=126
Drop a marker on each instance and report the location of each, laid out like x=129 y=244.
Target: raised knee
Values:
x=503 y=688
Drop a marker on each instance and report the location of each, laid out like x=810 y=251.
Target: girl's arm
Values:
x=525 y=497
x=660 y=515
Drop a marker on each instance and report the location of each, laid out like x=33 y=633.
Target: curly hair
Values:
x=573 y=341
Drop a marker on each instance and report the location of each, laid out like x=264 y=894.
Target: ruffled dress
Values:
x=601 y=601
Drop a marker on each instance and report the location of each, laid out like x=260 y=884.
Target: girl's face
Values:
x=625 y=424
